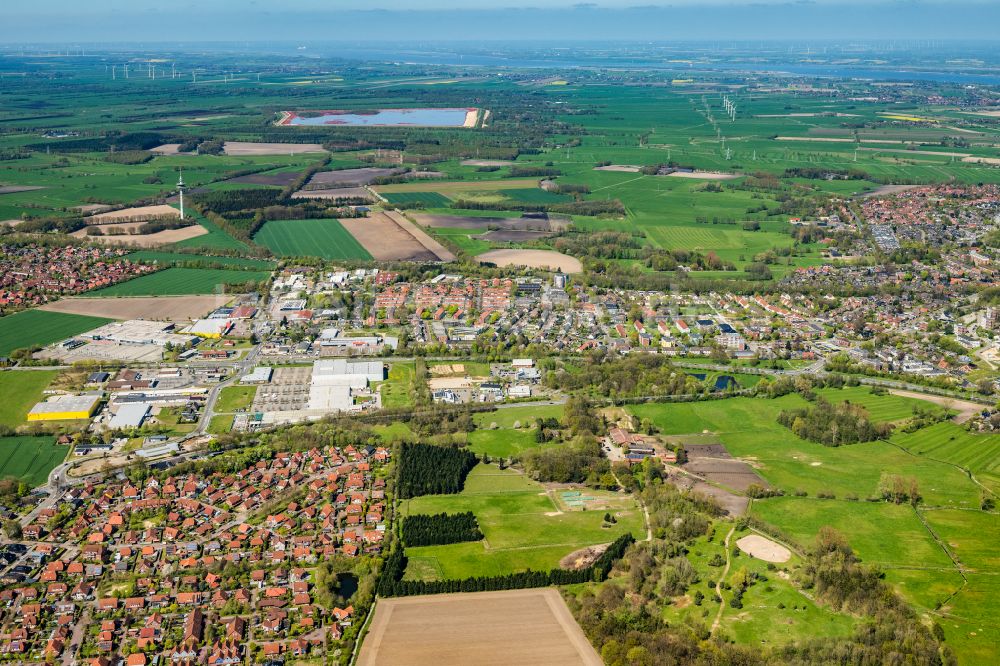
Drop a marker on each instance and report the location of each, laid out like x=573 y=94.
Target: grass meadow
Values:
x=38 y=327
x=30 y=459
x=182 y=282
x=21 y=389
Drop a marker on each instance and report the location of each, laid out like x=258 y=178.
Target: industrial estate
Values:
x=309 y=360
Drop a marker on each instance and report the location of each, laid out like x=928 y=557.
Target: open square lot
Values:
x=483 y=628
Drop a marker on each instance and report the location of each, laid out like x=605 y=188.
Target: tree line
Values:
x=391 y=584
x=440 y=528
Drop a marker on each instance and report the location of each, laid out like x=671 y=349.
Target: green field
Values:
x=326 y=239
x=421 y=199
x=220 y=424
x=30 y=459
x=176 y=258
x=537 y=195
x=38 y=327
x=749 y=429
x=182 y=282
x=397 y=389
x=21 y=389
x=233 y=398
x=980 y=454
x=524 y=415
x=523 y=526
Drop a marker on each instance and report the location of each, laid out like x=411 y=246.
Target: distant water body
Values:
x=389 y=118
x=443 y=57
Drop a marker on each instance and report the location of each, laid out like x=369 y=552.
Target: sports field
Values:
x=30 y=459
x=38 y=327
x=326 y=239
x=182 y=281
x=21 y=389
x=524 y=527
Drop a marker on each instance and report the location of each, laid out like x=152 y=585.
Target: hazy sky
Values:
x=413 y=20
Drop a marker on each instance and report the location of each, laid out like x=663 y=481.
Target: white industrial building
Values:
x=334 y=382
x=260 y=375
x=141 y=332
x=131 y=415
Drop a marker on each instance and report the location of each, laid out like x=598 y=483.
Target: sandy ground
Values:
x=166 y=149
x=461 y=186
x=10 y=223
x=439 y=383
x=447 y=369
x=889 y=189
x=390 y=237
x=966 y=410
x=703 y=175
x=172 y=308
x=471 y=117
x=584 y=557
x=133 y=214
x=621 y=168
x=14 y=189
x=982 y=160
x=486 y=163
x=533 y=259
x=482 y=628
x=757 y=546
x=165 y=237
x=243 y=148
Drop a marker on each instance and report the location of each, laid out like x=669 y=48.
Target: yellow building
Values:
x=65 y=407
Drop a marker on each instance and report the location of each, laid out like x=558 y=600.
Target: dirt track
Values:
x=966 y=410
x=482 y=628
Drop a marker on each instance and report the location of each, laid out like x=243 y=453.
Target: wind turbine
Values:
x=180 y=191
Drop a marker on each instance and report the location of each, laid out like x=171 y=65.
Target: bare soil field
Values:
x=763 y=548
x=164 y=237
x=885 y=190
x=280 y=179
x=239 y=148
x=713 y=463
x=514 y=236
x=14 y=189
x=703 y=175
x=166 y=149
x=133 y=214
x=482 y=628
x=461 y=186
x=171 y=308
x=349 y=177
x=390 y=237
x=583 y=558
x=982 y=160
x=486 y=163
x=487 y=223
x=735 y=505
x=337 y=193
x=546 y=259
x=92 y=208
x=619 y=168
